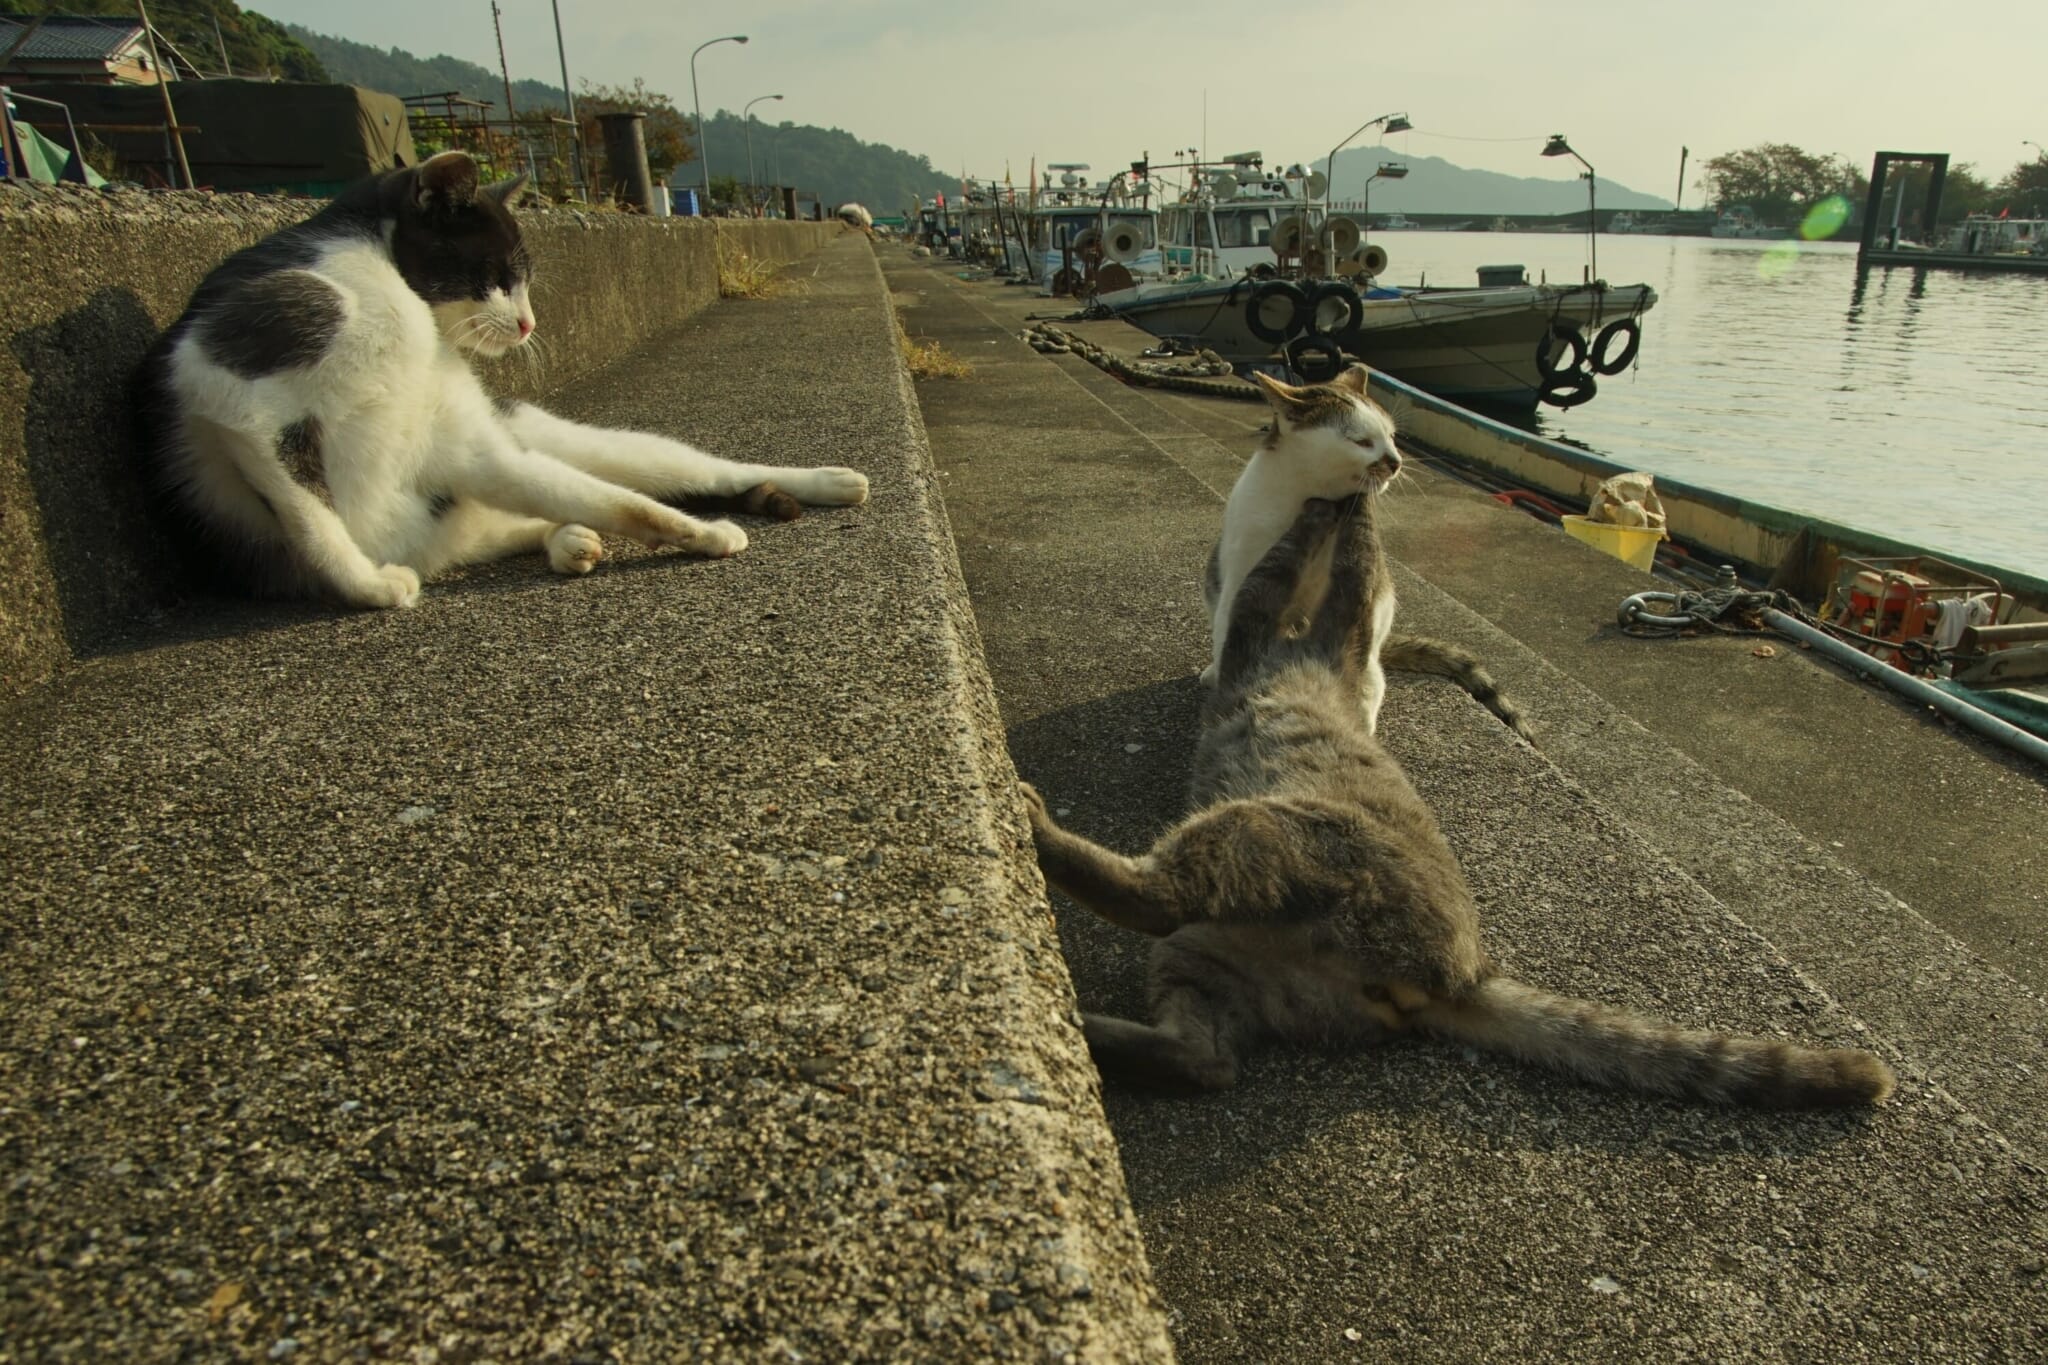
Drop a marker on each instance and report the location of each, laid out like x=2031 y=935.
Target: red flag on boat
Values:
x=2007 y=209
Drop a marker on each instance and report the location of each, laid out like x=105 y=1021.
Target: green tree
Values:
x=726 y=189
x=2025 y=188
x=670 y=140
x=1779 y=181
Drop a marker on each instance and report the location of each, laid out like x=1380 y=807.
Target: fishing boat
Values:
x=1091 y=239
x=1258 y=273
x=1983 y=234
x=1739 y=221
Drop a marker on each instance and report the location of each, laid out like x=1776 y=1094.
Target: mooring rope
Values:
x=1203 y=374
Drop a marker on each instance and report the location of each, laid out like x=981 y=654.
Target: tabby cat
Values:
x=1310 y=897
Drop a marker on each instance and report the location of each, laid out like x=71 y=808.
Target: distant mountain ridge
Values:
x=1434 y=185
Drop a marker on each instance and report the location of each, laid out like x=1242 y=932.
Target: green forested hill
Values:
x=830 y=161
x=256 y=46
x=397 y=72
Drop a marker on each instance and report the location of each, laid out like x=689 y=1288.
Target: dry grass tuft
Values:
x=926 y=359
x=744 y=276
x=929 y=360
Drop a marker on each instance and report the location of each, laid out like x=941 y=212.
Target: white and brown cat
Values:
x=1327 y=441
x=315 y=417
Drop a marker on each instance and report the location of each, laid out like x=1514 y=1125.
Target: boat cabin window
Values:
x=1203 y=235
x=1243 y=227
x=1058 y=230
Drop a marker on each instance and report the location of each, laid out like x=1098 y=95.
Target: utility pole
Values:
x=569 y=101
x=222 y=44
x=503 y=69
x=1678 y=202
x=164 y=89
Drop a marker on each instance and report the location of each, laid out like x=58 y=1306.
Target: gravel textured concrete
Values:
x=647 y=966
x=1419 y=1201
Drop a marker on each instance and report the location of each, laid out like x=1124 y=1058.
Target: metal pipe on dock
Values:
x=1906 y=685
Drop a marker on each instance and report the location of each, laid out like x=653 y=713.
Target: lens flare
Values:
x=1778 y=258
x=1824 y=219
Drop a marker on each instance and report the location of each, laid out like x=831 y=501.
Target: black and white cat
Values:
x=315 y=414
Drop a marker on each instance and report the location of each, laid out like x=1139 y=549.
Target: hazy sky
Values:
x=979 y=84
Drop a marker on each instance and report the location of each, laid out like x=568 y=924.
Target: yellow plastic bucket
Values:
x=1633 y=545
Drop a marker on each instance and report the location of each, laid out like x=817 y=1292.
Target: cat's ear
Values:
x=445 y=181
x=1353 y=378
x=507 y=192
x=1285 y=398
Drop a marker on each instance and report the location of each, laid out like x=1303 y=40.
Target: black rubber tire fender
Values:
x=1615 y=364
x=1574 y=342
x=1297 y=316
x=1569 y=389
x=1346 y=331
x=1316 y=358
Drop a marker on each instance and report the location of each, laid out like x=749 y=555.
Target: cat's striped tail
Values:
x=1634 y=1052
x=1419 y=654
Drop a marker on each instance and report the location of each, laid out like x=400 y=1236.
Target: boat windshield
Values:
x=1059 y=229
x=1243 y=227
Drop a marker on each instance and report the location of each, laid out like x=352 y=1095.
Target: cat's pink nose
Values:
x=525 y=327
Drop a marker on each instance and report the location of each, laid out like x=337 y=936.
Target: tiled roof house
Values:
x=65 y=47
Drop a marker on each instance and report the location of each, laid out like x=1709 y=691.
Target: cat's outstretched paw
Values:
x=715 y=540
x=1208 y=678
x=1034 y=804
x=830 y=486
x=392 y=585
x=658 y=526
x=574 y=549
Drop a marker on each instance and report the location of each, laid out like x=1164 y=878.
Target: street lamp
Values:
x=1557 y=146
x=746 y=117
x=1389 y=170
x=1394 y=123
x=703 y=144
x=2039 y=155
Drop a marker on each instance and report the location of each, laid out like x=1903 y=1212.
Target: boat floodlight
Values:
x=1392 y=170
x=1398 y=124
x=1557 y=146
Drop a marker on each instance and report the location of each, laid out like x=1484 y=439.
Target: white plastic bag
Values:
x=1628 y=500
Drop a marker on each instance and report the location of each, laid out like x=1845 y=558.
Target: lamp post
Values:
x=747 y=118
x=2039 y=155
x=703 y=145
x=1557 y=146
x=1393 y=123
x=1389 y=170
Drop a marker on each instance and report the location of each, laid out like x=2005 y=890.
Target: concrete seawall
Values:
x=643 y=966
x=93 y=277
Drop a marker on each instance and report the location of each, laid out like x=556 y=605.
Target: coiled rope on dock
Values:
x=1205 y=373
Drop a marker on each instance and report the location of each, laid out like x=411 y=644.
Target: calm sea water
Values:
x=1911 y=403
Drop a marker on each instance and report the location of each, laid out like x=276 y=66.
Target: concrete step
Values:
x=1440 y=1205
x=631 y=967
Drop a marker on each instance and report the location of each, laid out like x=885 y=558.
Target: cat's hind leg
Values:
x=471 y=533
x=1192 y=1045
x=1125 y=891
x=672 y=470
x=315 y=536
x=505 y=475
